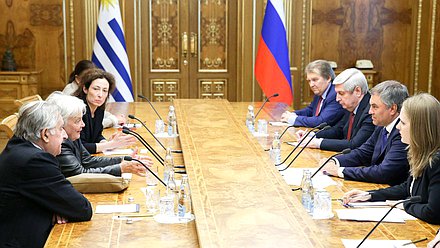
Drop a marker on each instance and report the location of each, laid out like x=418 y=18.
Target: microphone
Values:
x=345 y=151
x=267 y=99
x=129 y=158
x=148 y=100
x=413 y=199
x=302 y=149
x=145 y=126
x=320 y=126
x=144 y=143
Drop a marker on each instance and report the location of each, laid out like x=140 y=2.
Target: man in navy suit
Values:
x=356 y=125
x=383 y=157
x=324 y=107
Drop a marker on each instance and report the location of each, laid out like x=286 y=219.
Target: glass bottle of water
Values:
x=172 y=122
x=250 y=119
x=307 y=191
x=184 y=204
x=168 y=165
x=172 y=190
x=275 y=150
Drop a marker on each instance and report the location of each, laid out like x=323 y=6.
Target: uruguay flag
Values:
x=272 y=66
x=109 y=50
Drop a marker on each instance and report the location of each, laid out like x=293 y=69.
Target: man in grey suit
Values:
x=356 y=125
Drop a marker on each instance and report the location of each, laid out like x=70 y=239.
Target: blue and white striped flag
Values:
x=110 y=52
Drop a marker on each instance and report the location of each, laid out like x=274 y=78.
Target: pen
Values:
x=415 y=241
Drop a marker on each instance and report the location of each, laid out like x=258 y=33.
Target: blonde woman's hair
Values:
x=423 y=112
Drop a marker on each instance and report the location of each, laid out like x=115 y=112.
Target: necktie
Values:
x=384 y=137
x=318 y=106
x=350 y=125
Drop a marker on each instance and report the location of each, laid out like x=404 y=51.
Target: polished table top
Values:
x=239 y=200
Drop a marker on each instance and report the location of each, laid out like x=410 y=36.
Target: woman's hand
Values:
x=356 y=195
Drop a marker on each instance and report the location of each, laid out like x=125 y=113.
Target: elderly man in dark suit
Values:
x=34 y=194
x=356 y=126
x=383 y=157
x=324 y=107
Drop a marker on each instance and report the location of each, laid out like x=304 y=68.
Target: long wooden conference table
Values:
x=239 y=198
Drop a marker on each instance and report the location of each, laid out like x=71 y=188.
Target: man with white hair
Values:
x=34 y=194
x=356 y=125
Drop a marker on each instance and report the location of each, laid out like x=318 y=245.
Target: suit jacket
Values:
x=92 y=131
x=32 y=190
x=335 y=139
x=369 y=163
x=331 y=111
x=426 y=186
x=74 y=159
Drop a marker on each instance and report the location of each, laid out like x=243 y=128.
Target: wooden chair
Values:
x=24 y=100
x=8 y=124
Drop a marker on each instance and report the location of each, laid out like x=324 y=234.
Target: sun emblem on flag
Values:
x=107 y=3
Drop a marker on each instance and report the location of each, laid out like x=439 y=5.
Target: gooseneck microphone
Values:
x=145 y=126
x=302 y=149
x=320 y=126
x=267 y=99
x=413 y=199
x=144 y=143
x=345 y=151
x=129 y=158
x=148 y=100
x=294 y=126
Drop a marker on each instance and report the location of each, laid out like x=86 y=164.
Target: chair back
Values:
x=8 y=124
x=24 y=100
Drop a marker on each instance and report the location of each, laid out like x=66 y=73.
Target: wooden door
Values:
x=188 y=49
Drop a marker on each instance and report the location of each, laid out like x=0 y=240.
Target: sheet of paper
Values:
x=371 y=243
x=293 y=176
x=373 y=214
x=257 y=134
x=165 y=135
x=124 y=208
x=368 y=204
x=278 y=123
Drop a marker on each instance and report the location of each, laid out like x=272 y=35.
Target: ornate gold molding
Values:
x=304 y=28
x=417 y=52
x=431 y=51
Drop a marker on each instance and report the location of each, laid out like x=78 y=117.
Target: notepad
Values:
x=374 y=214
x=124 y=208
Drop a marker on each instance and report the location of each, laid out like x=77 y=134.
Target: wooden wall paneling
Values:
x=425 y=63
x=33 y=29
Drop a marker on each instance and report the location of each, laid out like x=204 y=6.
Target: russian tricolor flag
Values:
x=272 y=66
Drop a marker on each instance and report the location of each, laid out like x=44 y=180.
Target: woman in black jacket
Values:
x=419 y=128
x=74 y=158
x=96 y=86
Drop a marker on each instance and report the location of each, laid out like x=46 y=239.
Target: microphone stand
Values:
x=145 y=143
x=302 y=149
x=148 y=100
x=322 y=125
x=411 y=199
x=345 y=151
x=267 y=99
x=129 y=158
x=145 y=126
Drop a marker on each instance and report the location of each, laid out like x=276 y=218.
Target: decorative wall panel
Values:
x=213 y=32
x=165 y=35
x=213 y=89
x=164 y=90
x=46 y=14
